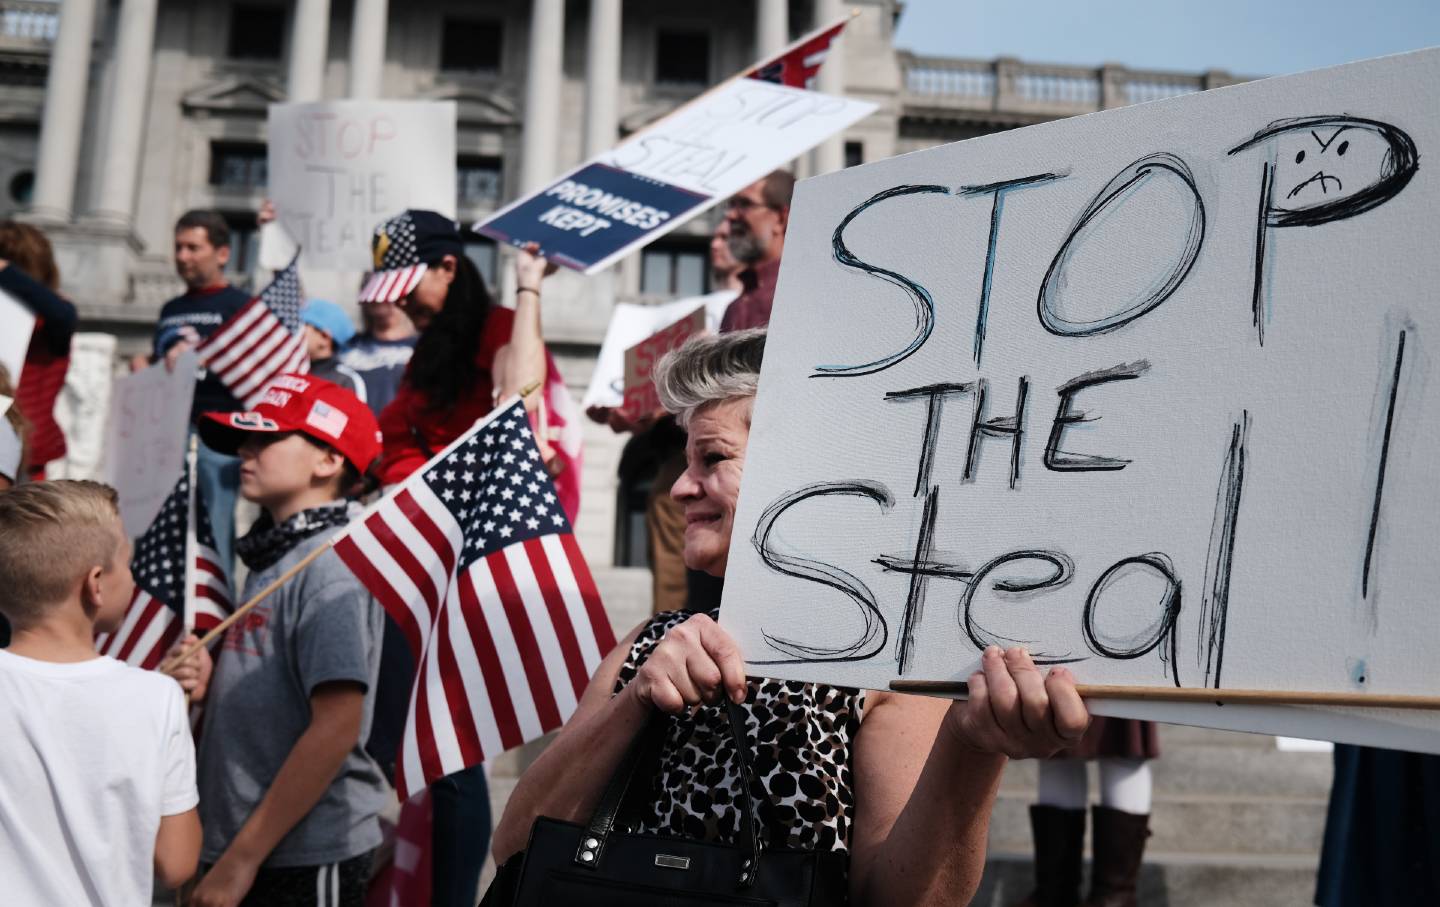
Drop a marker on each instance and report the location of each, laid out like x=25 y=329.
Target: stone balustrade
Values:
x=1009 y=85
x=28 y=24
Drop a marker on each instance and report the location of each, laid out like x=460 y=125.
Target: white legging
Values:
x=1124 y=784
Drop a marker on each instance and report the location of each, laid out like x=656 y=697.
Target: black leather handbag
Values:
x=594 y=864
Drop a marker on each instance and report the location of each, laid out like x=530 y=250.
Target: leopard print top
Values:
x=800 y=734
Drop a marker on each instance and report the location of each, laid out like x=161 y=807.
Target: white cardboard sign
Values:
x=672 y=170
x=149 y=422
x=631 y=323
x=338 y=168
x=16 y=325
x=1084 y=387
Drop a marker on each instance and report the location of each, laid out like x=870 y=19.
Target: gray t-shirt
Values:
x=321 y=626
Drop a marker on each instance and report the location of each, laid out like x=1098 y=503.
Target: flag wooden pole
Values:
x=246 y=608
x=188 y=598
x=1199 y=694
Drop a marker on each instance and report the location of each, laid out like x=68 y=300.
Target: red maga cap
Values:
x=326 y=412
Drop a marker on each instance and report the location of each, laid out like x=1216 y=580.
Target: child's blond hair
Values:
x=51 y=535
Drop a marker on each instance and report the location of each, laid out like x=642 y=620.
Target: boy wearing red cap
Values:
x=288 y=796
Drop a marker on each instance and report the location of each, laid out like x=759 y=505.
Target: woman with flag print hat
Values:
x=471 y=353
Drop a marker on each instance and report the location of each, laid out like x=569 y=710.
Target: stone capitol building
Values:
x=118 y=115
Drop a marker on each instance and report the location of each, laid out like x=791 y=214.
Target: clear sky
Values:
x=1246 y=37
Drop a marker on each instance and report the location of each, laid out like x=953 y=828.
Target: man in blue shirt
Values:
x=202 y=249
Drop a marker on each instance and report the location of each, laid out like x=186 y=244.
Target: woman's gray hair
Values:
x=709 y=368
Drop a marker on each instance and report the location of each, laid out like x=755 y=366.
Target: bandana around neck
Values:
x=266 y=543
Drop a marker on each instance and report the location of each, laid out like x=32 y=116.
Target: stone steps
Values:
x=1270 y=826
x=626 y=594
x=1174 y=883
x=1235 y=821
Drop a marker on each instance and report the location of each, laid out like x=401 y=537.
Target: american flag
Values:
x=797 y=65
x=261 y=341
x=474 y=558
x=155 y=617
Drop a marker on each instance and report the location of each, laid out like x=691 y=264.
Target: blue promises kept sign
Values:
x=591 y=214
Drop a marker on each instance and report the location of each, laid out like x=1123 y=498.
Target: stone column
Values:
x=542 y=93
x=1113 y=90
x=367 y=48
x=1007 y=90
x=120 y=166
x=602 y=106
x=772 y=27
x=602 y=76
x=829 y=155
x=309 y=36
x=64 y=112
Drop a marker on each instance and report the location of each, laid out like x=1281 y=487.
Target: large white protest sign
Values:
x=16 y=325
x=631 y=323
x=149 y=422
x=682 y=164
x=338 y=168
x=1081 y=387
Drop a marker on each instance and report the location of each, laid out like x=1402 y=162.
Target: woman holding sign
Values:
x=890 y=793
x=470 y=354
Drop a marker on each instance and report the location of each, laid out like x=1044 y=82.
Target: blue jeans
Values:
x=217 y=479
x=460 y=836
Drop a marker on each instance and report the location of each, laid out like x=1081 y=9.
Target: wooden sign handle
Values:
x=1198 y=694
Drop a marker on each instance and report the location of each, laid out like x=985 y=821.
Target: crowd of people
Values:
x=274 y=797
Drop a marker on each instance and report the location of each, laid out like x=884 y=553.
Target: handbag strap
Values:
x=645 y=751
x=751 y=867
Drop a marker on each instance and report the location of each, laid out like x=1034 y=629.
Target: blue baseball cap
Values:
x=330 y=318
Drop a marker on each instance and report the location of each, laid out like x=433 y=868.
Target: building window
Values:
x=477 y=182
x=244 y=248
x=632 y=539
x=675 y=270
x=682 y=58
x=467 y=45
x=854 y=153
x=22 y=187
x=637 y=472
x=481 y=253
x=238 y=166
x=257 y=32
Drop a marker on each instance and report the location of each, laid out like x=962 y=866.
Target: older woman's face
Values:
x=710 y=485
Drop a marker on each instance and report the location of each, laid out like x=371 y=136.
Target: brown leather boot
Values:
x=1059 y=854
x=1119 y=846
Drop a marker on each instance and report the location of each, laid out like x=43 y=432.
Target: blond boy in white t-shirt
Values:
x=97 y=768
